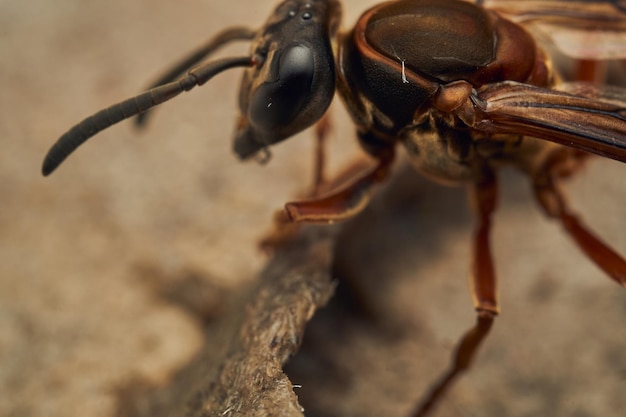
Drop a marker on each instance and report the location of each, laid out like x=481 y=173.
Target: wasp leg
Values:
x=322 y=128
x=483 y=198
x=558 y=165
x=344 y=201
x=592 y=71
x=463 y=357
x=283 y=228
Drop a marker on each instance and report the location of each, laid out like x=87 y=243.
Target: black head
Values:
x=289 y=83
x=292 y=82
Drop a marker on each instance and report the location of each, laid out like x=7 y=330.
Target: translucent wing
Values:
x=578 y=115
x=582 y=29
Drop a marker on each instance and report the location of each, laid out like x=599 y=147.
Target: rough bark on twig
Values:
x=239 y=372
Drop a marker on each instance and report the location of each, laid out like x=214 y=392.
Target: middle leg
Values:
x=483 y=200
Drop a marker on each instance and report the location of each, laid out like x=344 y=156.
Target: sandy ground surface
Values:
x=90 y=256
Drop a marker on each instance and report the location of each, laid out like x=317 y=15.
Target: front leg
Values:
x=339 y=199
x=349 y=192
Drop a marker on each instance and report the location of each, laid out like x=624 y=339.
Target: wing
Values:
x=578 y=115
x=582 y=29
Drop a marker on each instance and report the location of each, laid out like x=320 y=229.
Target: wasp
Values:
x=462 y=86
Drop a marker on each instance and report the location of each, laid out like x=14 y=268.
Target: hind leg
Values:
x=560 y=164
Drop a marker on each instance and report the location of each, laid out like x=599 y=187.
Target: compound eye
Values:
x=278 y=102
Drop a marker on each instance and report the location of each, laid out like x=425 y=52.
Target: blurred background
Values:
x=87 y=254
